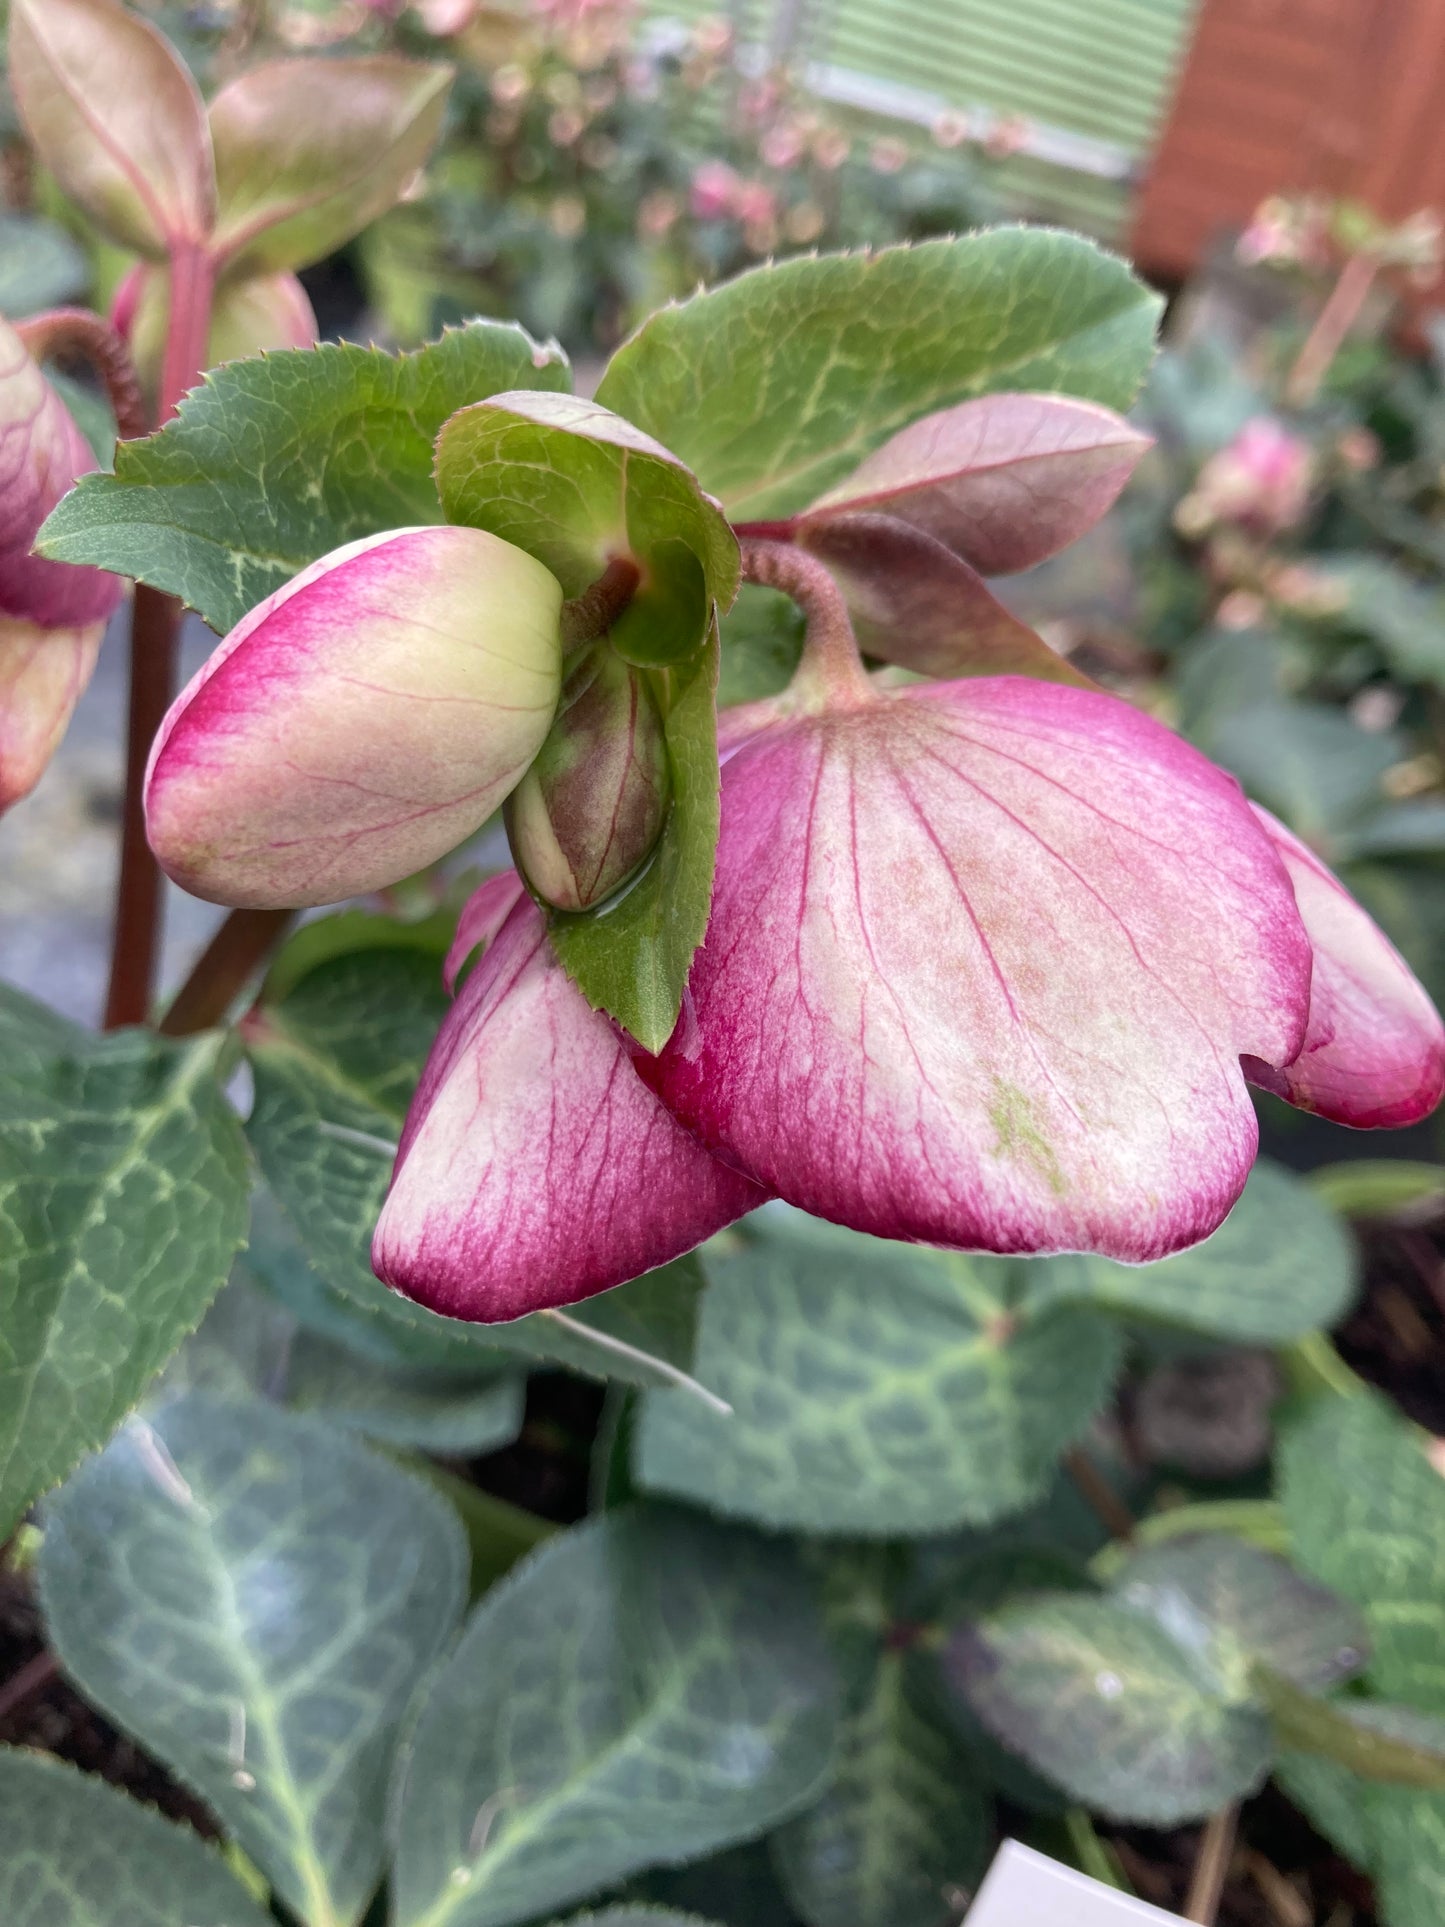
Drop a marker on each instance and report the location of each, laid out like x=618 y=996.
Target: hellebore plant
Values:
x=987 y=962
x=839 y=904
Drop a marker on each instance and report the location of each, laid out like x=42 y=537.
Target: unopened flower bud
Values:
x=589 y=811
x=360 y=723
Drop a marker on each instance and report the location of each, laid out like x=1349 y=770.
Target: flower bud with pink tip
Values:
x=360 y=723
x=52 y=614
x=589 y=811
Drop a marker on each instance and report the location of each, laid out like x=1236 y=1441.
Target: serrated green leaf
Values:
x=1104 y=1703
x=123 y=1192
x=630 y=956
x=76 y=1853
x=1331 y=1799
x=275 y=461
x=738 y=1886
x=904 y=1821
x=1280 y=1265
x=1366 y=1512
x=645 y=1688
x=776 y=385
x=576 y=486
x=875 y=1387
x=635 y=1917
x=255 y=1598
x=1373 y=1739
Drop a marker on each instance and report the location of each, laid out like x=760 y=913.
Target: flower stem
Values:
x=1211 y=1868
x=831 y=671
x=67 y=332
x=154 y=659
x=233 y=956
x=1332 y=326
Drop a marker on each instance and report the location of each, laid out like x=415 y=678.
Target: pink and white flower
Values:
x=52 y=614
x=360 y=723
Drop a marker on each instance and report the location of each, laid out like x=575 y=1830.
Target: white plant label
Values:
x=1027 y=1889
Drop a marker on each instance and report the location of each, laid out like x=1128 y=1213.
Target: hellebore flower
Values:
x=52 y=614
x=536 y=1167
x=360 y=723
x=983 y=963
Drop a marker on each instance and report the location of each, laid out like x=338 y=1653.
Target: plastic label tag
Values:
x=1027 y=1889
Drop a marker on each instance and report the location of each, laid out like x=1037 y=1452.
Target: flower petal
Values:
x=1374 y=1054
x=359 y=723
x=43 y=674
x=982 y=962
x=536 y=1168
x=483 y=914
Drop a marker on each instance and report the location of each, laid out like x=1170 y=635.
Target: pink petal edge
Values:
x=982 y=963
x=536 y=1168
x=1374 y=1052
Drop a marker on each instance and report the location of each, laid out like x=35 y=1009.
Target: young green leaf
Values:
x=644 y=1688
x=1003 y=482
x=123 y=1188
x=273 y=463
x=576 y=486
x=256 y=1599
x=631 y=955
x=775 y=386
x=74 y=1850
x=1281 y=1265
x=116 y=117
x=309 y=152
x=875 y=1387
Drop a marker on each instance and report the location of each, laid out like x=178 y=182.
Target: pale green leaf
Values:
x=256 y=1598
x=645 y=1688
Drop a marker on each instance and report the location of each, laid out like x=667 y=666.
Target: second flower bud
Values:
x=589 y=811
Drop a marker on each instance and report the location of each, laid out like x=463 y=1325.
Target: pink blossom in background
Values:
x=1261 y=480
x=714 y=191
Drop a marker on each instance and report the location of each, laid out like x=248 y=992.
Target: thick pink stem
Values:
x=831 y=669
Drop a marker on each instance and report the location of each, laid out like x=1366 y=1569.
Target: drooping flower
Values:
x=52 y=614
x=1261 y=480
x=983 y=960
x=359 y=723
x=536 y=1167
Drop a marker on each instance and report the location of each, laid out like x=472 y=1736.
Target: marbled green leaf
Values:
x=123 y=1188
x=1366 y=1512
x=575 y=486
x=1282 y=1264
x=1105 y=1703
x=875 y=1387
x=1406 y=1832
x=1236 y=1607
x=904 y=1822
x=631 y=955
x=457 y=1414
x=775 y=386
x=635 y=1917
x=75 y=1853
x=275 y=461
x=644 y=1689
x=255 y=1598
